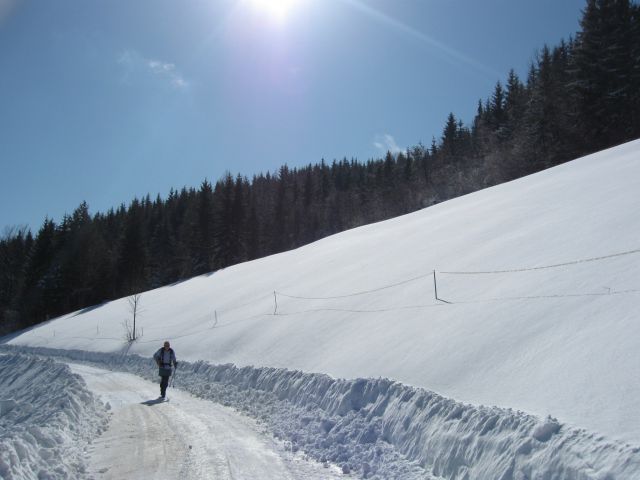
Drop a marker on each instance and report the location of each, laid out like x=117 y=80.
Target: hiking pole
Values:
x=173 y=379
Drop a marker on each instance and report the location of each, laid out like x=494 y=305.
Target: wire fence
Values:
x=215 y=323
x=543 y=267
x=355 y=294
x=438 y=298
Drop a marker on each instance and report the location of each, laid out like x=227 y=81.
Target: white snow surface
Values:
x=184 y=438
x=549 y=326
x=367 y=428
x=48 y=418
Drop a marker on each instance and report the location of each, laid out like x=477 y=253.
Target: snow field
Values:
x=539 y=279
x=381 y=429
x=561 y=340
x=47 y=419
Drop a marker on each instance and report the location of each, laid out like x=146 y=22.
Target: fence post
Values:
x=435 y=285
x=275 y=300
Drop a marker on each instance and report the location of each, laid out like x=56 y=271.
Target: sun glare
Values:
x=277 y=9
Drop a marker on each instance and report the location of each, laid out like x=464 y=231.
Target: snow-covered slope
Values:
x=562 y=340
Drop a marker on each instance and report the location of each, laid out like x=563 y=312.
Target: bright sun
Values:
x=278 y=9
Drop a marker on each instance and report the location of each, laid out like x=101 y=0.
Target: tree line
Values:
x=579 y=97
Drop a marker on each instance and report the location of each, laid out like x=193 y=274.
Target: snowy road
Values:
x=184 y=438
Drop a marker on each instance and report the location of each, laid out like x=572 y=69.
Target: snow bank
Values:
x=47 y=418
x=378 y=428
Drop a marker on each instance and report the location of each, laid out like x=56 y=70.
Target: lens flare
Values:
x=277 y=9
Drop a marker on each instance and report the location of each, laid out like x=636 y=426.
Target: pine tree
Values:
x=449 y=136
x=15 y=247
x=604 y=64
x=496 y=112
x=635 y=71
x=226 y=238
x=205 y=245
x=132 y=252
x=238 y=219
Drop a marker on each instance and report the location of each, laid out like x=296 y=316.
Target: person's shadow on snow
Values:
x=155 y=401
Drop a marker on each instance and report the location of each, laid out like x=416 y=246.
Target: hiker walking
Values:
x=165 y=357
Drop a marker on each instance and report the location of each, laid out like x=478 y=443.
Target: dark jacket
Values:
x=165 y=358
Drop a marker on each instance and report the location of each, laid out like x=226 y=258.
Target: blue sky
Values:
x=106 y=100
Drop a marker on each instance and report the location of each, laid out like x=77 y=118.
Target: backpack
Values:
x=165 y=371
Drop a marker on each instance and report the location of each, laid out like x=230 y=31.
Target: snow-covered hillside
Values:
x=537 y=281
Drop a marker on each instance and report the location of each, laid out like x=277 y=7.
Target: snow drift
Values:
x=377 y=428
x=47 y=417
